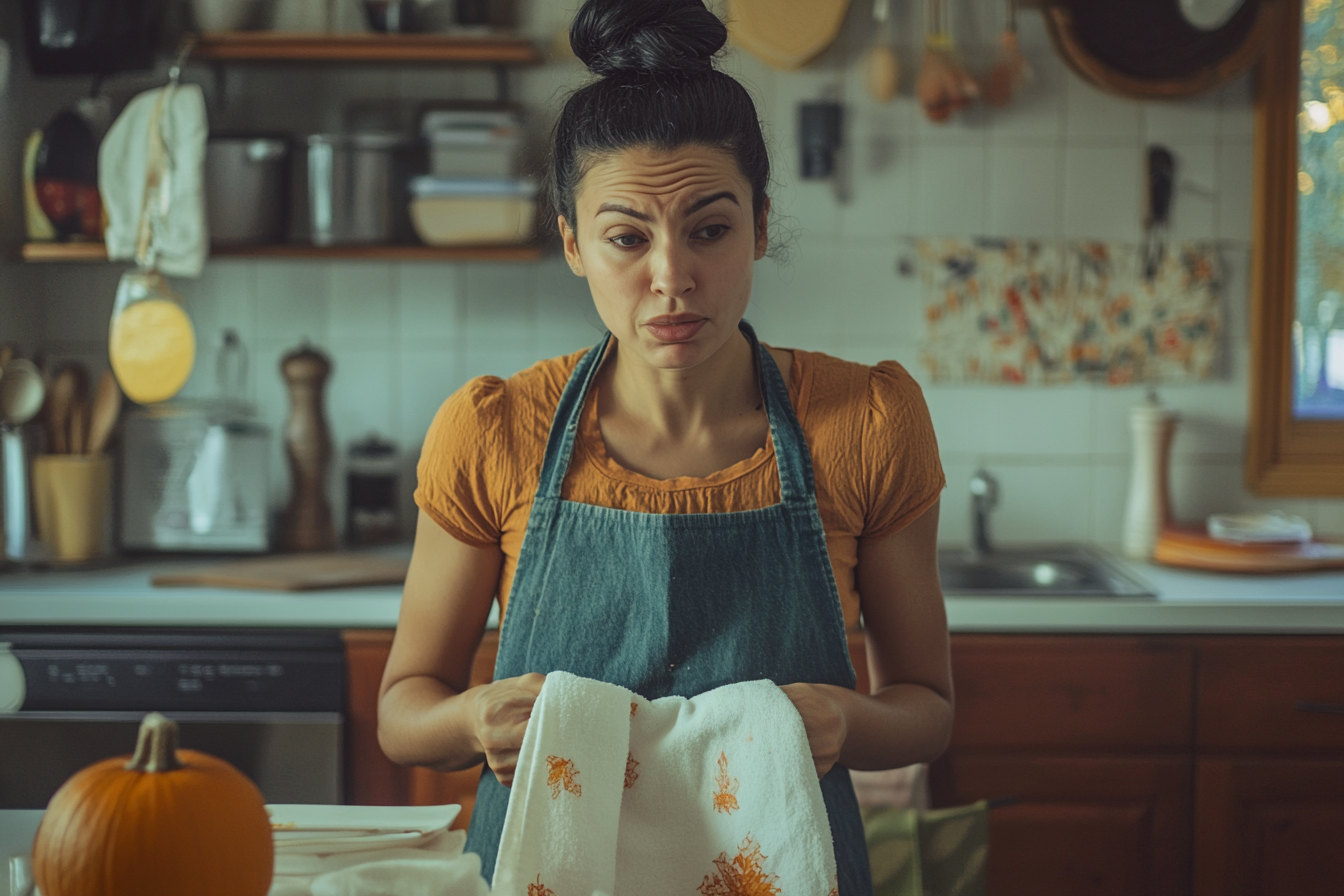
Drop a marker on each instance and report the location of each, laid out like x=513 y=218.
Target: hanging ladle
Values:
x=22 y=390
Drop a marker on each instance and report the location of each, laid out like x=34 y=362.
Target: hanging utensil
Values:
x=1161 y=171
x=151 y=343
x=103 y=417
x=60 y=397
x=1010 y=69
x=944 y=86
x=881 y=66
x=22 y=389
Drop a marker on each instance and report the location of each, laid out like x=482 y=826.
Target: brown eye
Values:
x=627 y=240
x=712 y=232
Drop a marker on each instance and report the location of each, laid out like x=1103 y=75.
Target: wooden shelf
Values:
x=93 y=252
x=272 y=46
x=64 y=252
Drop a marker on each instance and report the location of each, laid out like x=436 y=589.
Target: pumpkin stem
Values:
x=156 y=746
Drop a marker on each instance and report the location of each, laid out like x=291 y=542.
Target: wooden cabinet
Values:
x=371 y=778
x=1091 y=738
x=1164 y=765
x=1269 y=827
x=1270 y=773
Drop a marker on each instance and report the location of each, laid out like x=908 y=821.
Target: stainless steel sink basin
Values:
x=1068 y=571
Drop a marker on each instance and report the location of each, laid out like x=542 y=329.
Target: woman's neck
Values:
x=676 y=403
x=669 y=423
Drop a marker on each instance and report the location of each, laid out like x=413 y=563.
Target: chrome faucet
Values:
x=984 y=498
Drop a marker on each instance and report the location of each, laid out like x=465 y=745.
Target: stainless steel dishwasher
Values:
x=268 y=701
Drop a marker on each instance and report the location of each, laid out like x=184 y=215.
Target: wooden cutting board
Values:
x=786 y=34
x=293 y=572
x=1193 y=547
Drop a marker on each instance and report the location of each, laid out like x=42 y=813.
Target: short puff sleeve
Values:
x=458 y=477
x=904 y=476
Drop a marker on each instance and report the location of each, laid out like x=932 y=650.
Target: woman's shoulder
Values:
x=490 y=402
x=834 y=386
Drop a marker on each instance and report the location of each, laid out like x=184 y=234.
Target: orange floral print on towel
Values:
x=725 y=798
x=742 y=875
x=539 y=889
x=561 y=773
x=631 y=776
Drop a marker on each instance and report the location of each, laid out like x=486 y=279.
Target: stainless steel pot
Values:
x=356 y=187
x=247 y=188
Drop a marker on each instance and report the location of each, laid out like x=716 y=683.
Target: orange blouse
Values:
x=874 y=457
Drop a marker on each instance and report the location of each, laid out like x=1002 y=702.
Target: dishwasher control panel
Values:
x=172 y=669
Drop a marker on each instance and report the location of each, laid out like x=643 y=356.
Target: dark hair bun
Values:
x=629 y=37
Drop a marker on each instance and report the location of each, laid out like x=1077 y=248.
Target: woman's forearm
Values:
x=422 y=721
x=900 y=725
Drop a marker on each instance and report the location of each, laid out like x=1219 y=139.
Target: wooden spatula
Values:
x=106 y=409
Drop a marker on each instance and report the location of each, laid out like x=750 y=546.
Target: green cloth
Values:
x=928 y=852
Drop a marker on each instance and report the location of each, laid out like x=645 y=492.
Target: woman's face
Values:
x=666 y=239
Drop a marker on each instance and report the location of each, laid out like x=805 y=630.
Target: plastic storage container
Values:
x=472 y=143
x=467 y=211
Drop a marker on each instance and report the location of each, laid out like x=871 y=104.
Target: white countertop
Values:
x=1186 y=601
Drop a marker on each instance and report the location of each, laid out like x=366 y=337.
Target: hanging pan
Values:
x=1159 y=49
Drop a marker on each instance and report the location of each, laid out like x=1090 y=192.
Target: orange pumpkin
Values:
x=164 y=823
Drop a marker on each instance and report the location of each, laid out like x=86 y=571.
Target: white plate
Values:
x=361 y=820
x=320 y=845
x=1263 y=528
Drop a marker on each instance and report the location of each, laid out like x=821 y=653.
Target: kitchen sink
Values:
x=1067 y=571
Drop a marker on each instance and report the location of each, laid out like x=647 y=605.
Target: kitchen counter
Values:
x=1186 y=602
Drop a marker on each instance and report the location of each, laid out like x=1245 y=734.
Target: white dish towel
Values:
x=715 y=794
x=175 y=116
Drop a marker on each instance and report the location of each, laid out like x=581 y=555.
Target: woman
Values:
x=680 y=507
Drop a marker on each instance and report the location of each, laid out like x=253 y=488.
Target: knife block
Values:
x=307 y=524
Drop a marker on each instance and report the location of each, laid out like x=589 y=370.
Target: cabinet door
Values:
x=1081 y=825
x=1260 y=695
x=1072 y=694
x=1269 y=827
x=371 y=779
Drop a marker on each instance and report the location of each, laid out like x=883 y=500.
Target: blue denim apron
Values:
x=679 y=604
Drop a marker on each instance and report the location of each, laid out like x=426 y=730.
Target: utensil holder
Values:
x=73 y=498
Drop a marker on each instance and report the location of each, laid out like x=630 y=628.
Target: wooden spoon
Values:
x=79 y=424
x=106 y=409
x=59 y=399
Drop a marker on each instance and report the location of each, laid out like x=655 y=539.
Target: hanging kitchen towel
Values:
x=151 y=163
x=716 y=794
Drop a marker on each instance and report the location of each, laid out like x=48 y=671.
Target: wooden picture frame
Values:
x=1284 y=456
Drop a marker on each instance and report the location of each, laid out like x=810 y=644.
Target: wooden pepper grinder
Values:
x=308 y=522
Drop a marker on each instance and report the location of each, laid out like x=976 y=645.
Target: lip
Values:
x=675 y=327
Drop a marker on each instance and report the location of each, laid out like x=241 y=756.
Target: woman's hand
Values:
x=823 y=720
x=502 y=710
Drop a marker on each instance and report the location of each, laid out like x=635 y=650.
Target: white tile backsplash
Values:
x=1064 y=161
x=1024 y=190
x=1103 y=191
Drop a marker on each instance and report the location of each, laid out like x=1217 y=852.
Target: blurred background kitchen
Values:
x=1054 y=228
x=1063 y=160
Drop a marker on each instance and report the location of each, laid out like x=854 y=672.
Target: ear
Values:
x=571 y=241
x=763 y=231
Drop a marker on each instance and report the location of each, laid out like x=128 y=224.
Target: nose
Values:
x=671 y=270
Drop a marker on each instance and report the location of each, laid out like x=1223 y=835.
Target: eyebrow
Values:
x=695 y=206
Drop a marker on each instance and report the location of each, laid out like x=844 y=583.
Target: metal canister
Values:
x=356 y=187
x=247 y=188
